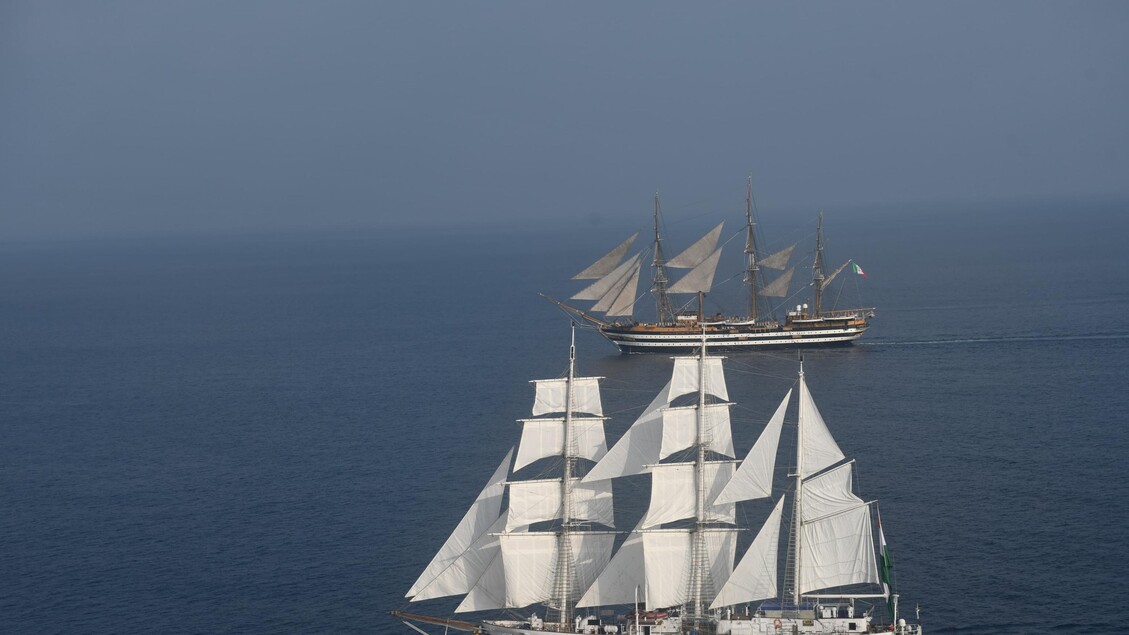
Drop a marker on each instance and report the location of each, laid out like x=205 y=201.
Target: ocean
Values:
x=275 y=433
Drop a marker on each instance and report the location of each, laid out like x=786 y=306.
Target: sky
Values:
x=271 y=115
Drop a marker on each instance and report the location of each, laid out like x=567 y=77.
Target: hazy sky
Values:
x=218 y=115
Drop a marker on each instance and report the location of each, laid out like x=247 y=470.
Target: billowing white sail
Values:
x=680 y=429
x=541 y=438
x=778 y=260
x=668 y=561
x=478 y=519
x=820 y=449
x=699 y=251
x=753 y=478
x=684 y=380
x=530 y=561
x=837 y=551
x=638 y=447
x=829 y=493
x=467 y=572
x=754 y=578
x=601 y=287
x=700 y=278
x=674 y=492
x=616 y=584
x=778 y=288
x=607 y=263
x=537 y=501
x=551 y=393
x=489 y=592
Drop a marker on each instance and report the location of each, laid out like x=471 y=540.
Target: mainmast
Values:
x=751 y=267
x=699 y=557
x=797 y=502
x=663 y=308
x=817 y=271
x=565 y=576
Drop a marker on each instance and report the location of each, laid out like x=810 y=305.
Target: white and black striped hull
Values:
x=635 y=340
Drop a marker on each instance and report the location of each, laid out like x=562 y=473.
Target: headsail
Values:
x=607 y=263
x=754 y=578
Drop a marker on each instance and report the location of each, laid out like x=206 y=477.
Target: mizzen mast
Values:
x=751 y=266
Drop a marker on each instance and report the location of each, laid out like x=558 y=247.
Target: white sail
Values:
x=778 y=288
x=478 y=519
x=638 y=447
x=778 y=260
x=684 y=379
x=754 y=578
x=838 y=551
x=820 y=449
x=674 y=493
x=530 y=562
x=467 y=572
x=601 y=287
x=668 y=561
x=607 y=263
x=537 y=501
x=551 y=393
x=624 y=302
x=829 y=493
x=616 y=584
x=753 y=478
x=700 y=278
x=489 y=592
x=699 y=251
x=542 y=438
x=680 y=429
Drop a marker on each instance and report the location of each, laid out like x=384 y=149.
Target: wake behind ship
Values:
x=617 y=280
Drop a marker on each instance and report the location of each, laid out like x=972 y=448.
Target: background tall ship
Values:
x=615 y=293
x=541 y=549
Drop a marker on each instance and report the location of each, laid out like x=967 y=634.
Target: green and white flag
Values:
x=857 y=269
x=886 y=565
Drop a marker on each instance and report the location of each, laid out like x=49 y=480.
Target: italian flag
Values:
x=857 y=269
x=886 y=565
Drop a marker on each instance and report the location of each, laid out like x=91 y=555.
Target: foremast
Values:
x=565 y=585
x=817 y=278
x=664 y=312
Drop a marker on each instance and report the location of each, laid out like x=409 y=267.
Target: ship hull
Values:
x=650 y=338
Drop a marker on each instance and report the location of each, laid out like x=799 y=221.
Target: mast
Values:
x=663 y=309
x=699 y=558
x=751 y=267
x=817 y=271
x=797 y=502
x=565 y=575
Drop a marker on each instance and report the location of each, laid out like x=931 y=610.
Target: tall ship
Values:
x=678 y=328
x=540 y=550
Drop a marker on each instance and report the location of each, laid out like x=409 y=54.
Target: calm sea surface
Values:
x=274 y=434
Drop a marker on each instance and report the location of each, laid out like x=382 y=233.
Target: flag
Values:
x=886 y=565
x=857 y=269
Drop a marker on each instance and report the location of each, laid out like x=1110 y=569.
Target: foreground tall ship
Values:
x=678 y=330
x=549 y=541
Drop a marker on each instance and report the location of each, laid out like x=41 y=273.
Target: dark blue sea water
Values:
x=273 y=434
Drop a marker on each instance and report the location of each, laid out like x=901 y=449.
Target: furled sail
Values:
x=478 y=519
x=700 y=278
x=753 y=478
x=699 y=251
x=607 y=263
x=674 y=492
x=529 y=561
x=828 y=279
x=778 y=260
x=550 y=396
x=542 y=438
x=537 y=501
x=820 y=449
x=754 y=578
x=778 y=288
